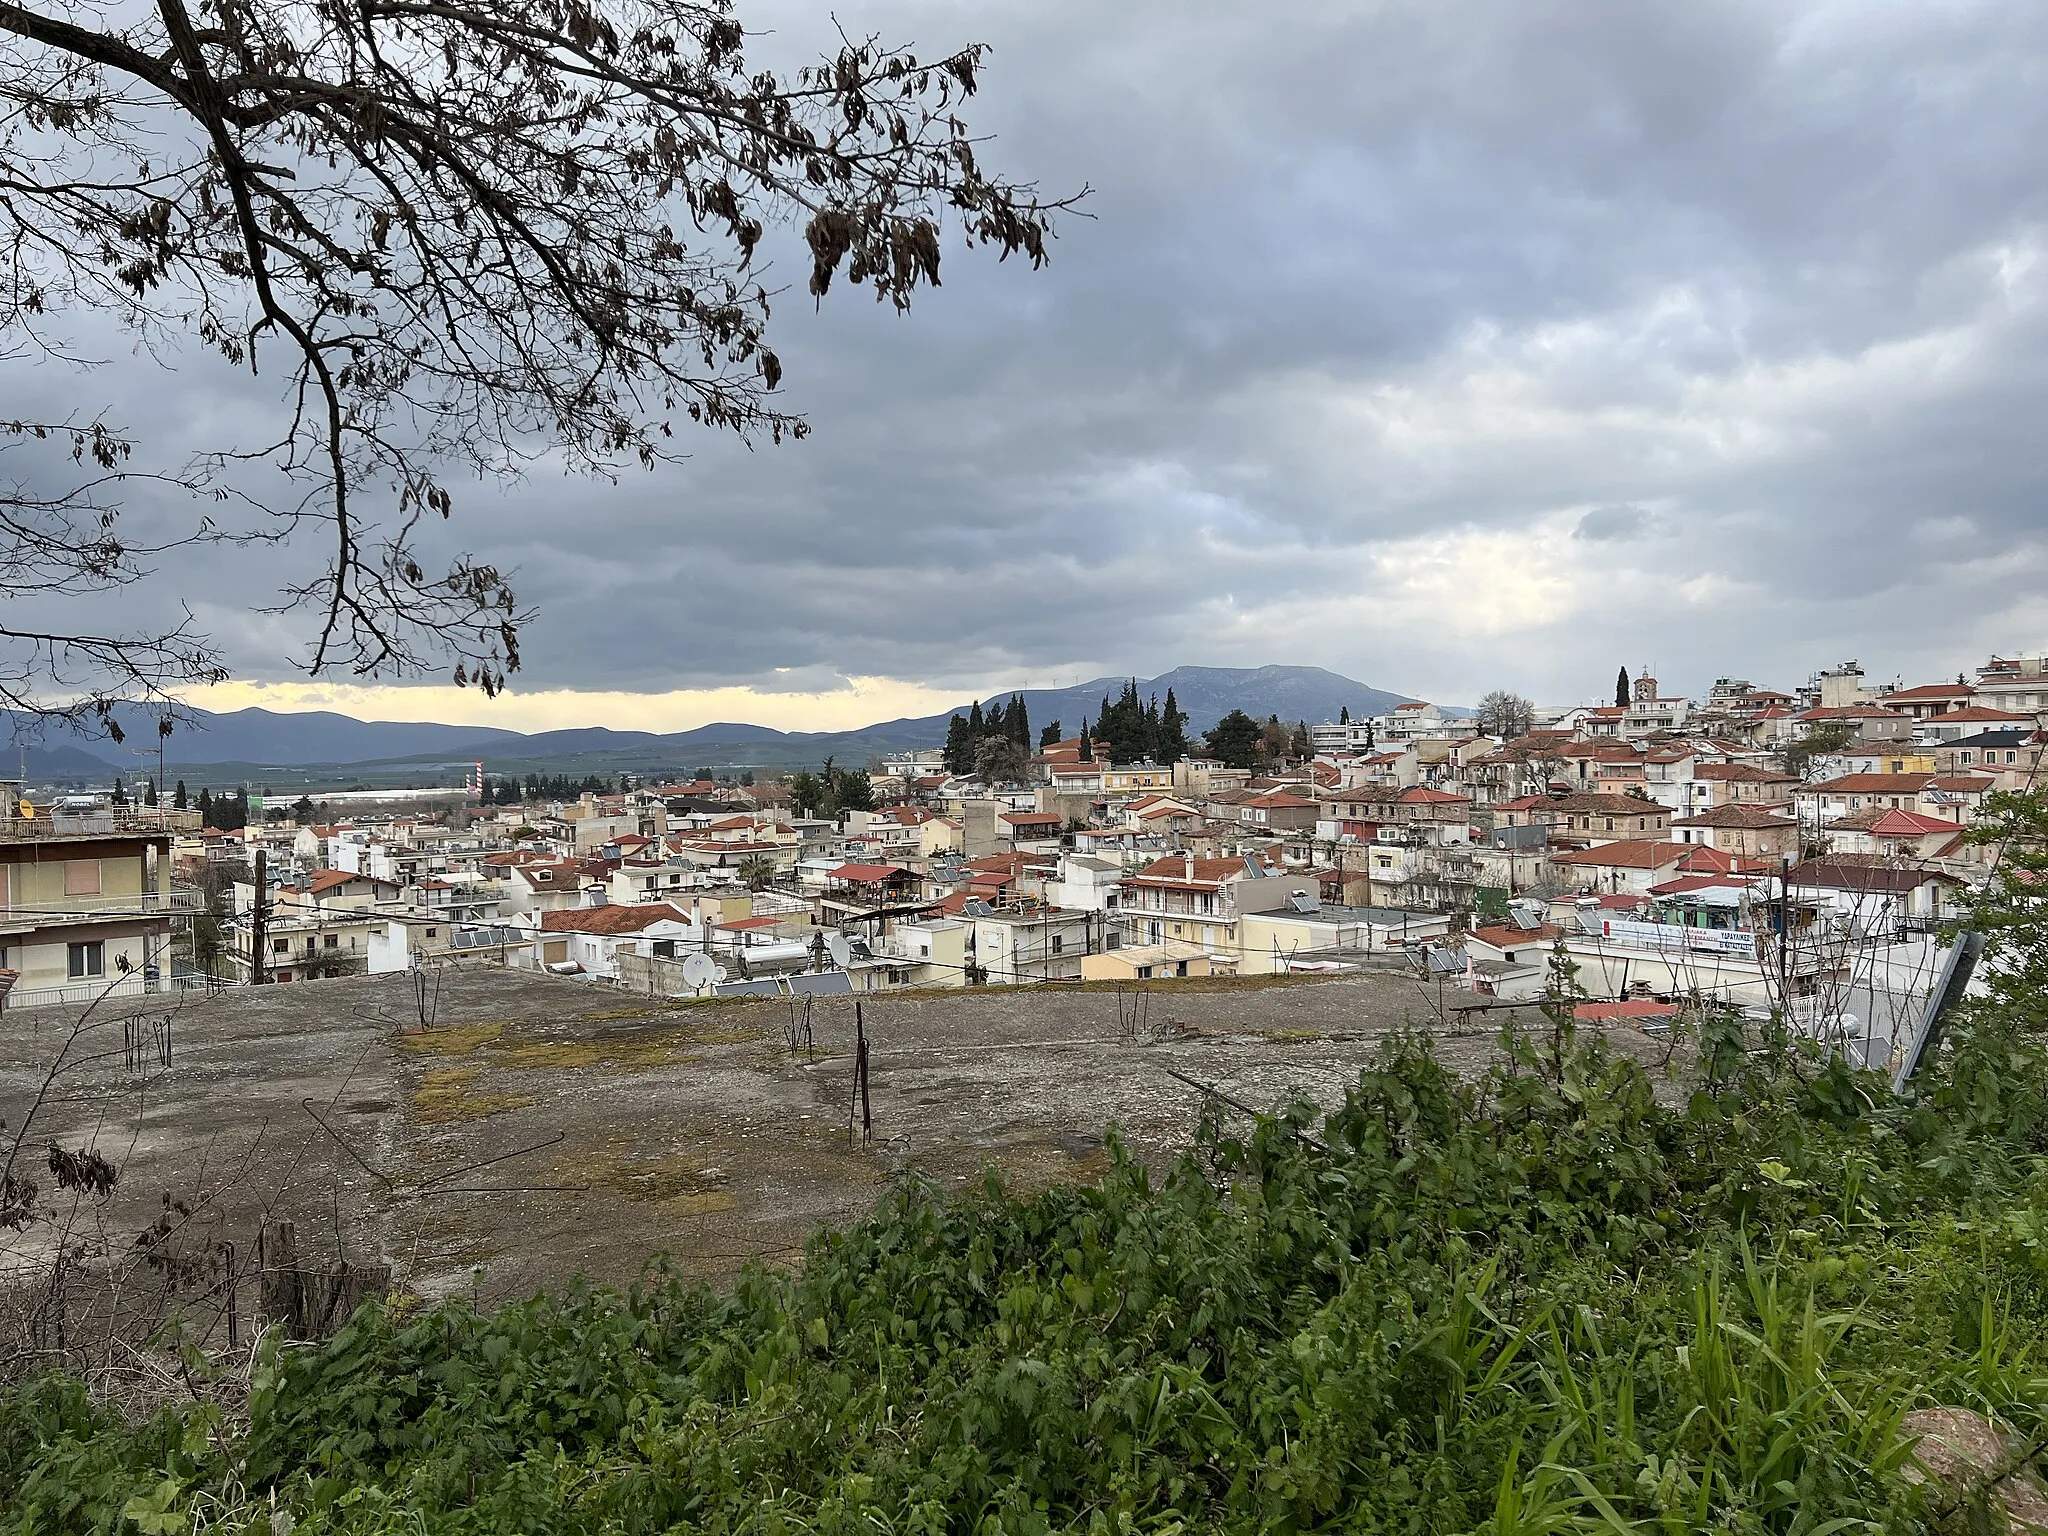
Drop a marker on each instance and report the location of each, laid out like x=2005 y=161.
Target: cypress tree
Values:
x=1621 y=689
x=178 y=796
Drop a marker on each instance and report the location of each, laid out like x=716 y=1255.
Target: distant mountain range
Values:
x=262 y=745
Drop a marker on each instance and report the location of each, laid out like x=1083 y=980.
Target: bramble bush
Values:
x=1546 y=1300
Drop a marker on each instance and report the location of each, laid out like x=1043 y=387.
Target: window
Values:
x=82 y=878
x=334 y=941
x=86 y=959
x=284 y=976
x=280 y=946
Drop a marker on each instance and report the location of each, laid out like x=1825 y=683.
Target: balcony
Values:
x=95 y=909
x=62 y=826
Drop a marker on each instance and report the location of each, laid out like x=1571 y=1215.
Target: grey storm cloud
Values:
x=1389 y=333
x=1612 y=523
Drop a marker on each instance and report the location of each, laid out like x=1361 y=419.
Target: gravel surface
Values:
x=518 y=1129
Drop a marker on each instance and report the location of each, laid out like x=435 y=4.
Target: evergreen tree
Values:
x=1050 y=736
x=1344 y=715
x=993 y=723
x=1172 y=744
x=1087 y=746
x=852 y=790
x=1300 y=745
x=120 y=794
x=302 y=810
x=977 y=727
x=806 y=794
x=1234 y=740
x=1621 y=689
x=959 y=746
x=178 y=796
x=205 y=806
x=149 y=791
x=1019 y=720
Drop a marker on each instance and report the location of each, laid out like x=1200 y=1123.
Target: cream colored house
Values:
x=84 y=907
x=1153 y=962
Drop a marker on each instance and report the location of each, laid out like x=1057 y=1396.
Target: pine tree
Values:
x=1050 y=736
x=959 y=752
x=1621 y=689
x=1172 y=745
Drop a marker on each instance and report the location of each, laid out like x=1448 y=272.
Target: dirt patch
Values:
x=536 y=1127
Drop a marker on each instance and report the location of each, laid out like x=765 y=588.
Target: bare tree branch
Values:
x=474 y=235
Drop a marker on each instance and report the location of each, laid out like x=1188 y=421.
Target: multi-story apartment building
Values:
x=1181 y=897
x=85 y=903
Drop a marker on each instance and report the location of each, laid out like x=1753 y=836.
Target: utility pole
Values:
x=259 y=918
x=1784 y=936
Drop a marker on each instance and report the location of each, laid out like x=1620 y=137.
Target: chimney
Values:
x=1190 y=860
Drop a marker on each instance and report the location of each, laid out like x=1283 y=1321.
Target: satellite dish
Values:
x=698 y=971
x=837 y=947
x=28 y=808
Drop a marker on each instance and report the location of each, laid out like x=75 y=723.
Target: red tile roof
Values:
x=1977 y=714
x=1910 y=824
x=1595 y=804
x=1929 y=692
x=611 y=919
x=869 y=874
x=1634 y=1008
x=1739 y=818
x=1637 y=853
x=1871 y=784
x=1741 y=773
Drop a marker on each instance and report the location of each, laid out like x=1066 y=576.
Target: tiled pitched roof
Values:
x=1871 y=784
x=1741 y=773
x=611 y=919
x=1738 y=818
x=1910 y=824
x=869 y=874
x=1595 y=804
x=1635 y=853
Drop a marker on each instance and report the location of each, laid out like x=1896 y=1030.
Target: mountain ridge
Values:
x=255 y=739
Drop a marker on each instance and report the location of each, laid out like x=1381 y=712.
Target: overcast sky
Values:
x=1450 y=345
